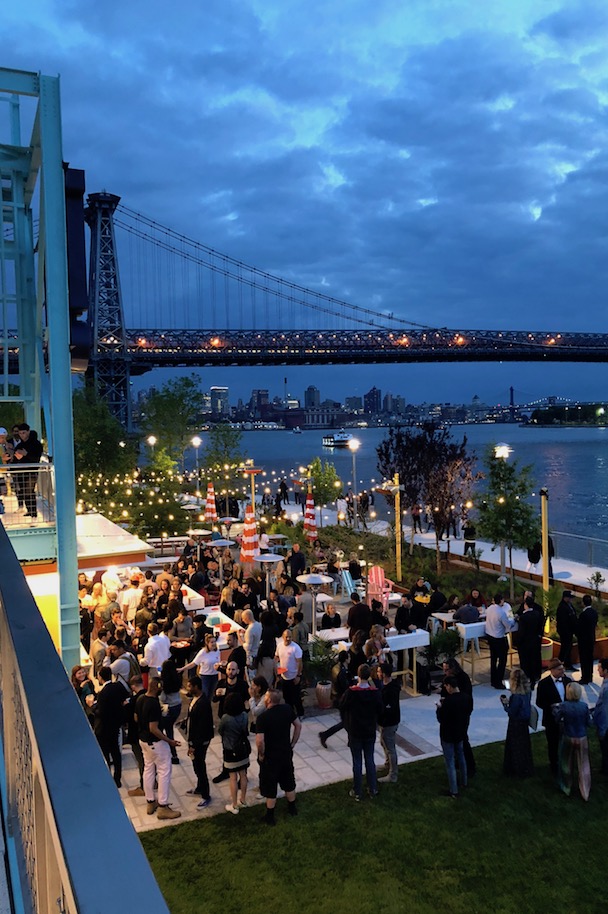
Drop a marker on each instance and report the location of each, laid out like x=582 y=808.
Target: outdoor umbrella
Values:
x=249 y=540
x=310 y=520
x=210 y=508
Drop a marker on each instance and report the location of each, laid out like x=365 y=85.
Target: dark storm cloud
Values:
x=575 y=22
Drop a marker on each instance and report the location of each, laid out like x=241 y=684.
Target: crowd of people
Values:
x=147 y=650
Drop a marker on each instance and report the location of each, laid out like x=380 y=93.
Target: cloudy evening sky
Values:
x=446 y=161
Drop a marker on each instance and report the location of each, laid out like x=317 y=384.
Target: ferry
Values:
x=339 y=439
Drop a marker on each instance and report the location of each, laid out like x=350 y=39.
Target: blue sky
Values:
x=445 y=161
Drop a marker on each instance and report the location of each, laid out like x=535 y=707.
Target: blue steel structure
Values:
x=34 y=298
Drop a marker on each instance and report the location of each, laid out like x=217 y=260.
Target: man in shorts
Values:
x=275 y=742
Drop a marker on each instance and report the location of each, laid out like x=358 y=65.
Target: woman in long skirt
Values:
x=574 y=716
x=518 y=748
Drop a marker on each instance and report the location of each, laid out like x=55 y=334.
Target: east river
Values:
x=571 y=462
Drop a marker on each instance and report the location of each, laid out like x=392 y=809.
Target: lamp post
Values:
x=544 y=520
x=501 y=452
x=252 y=471
x=196 y=443
x=151 y=440
x=354 y=444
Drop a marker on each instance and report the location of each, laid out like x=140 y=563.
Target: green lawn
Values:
x=504 y=847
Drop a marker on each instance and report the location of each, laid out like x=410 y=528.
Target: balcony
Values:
x=27 y=497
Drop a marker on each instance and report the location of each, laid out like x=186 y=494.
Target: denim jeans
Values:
x=450 y=751
x=360 y=749
x=387 y=739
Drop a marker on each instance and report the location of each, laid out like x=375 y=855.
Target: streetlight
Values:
x=544 y=520
x=354 y=444
x=196 y=443
x=151 y=439
x=501 y=452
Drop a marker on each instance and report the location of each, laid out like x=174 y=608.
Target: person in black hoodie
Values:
x=389 y=721
x=453 y=713
x=362 y=708
x=28 y=451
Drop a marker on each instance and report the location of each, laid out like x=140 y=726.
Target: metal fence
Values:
x=584 y=549
x=27 y=494
x=59 y=803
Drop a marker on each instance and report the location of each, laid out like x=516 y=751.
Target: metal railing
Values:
x=584 y=549
x=27 y=488
x=59 y=802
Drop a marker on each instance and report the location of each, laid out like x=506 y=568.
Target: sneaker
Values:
x=372 y=794
x=323 y=740
x=354 y=795
x=193 y=792
x=136 y=792
x=152 y=806
x=174 y=760
x=165 y=812
x=233 y=809
x=203 y=803
x=387 y=779
x=222 y=776
x=242 y=804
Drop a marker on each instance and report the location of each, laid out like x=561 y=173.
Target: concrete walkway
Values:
x=418 y=738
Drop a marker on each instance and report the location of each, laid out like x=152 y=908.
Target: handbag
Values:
x=533 y=722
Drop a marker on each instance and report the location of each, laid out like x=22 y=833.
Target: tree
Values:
x=433 y=469
x=99 y=438
x=223 y=447
x=325 y=482
x=505 y=514
x=171 y=412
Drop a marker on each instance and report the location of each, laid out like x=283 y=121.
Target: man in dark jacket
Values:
x=565 y=623
x=137 y=688
x=199 y=732
x=109 y=716
x=28 y=451
x=453 y=713
x=585 y=634
x=528 y=640
x=362 y=708
x=359 y=617
x=339 y=685
x=550 y=690
x=389 y=721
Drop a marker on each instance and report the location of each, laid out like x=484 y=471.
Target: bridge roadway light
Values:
x=354 y=444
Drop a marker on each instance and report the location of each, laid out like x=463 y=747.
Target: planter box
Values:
x=600 y=651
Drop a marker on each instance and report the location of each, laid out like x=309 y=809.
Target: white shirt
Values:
x=156 y=651
x=288 y=655
x=498 y=620
x=129 y=601
x=251 y=640
x=206 y=660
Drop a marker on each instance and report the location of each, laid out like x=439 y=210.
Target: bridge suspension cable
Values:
x=259 y=281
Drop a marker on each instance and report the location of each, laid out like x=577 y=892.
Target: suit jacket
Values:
x=110 y=709
x=587 y=622
x=529 y=632
x=600 y=712
x=200 y=722
x=547 y=695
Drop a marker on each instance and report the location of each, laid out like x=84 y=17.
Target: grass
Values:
x=504 y=847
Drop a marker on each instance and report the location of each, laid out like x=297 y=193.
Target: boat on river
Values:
x=339 y=439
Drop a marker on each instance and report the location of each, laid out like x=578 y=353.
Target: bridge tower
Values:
x=109 y=357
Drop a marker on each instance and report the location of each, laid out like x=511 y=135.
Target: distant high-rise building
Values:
x=387 y=403
x=353 y=404
x=219 y=401
x=312 y=397
x=372 y=401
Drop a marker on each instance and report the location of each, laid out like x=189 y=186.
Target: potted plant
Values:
x=322 y=660
x=442 y=646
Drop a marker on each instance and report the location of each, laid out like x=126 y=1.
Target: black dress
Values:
x=518 y=748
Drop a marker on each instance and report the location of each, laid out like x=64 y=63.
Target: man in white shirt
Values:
x=251 y=636
x=289 y=658
x=130 y=599
x=499 y=622
x=157 y=649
